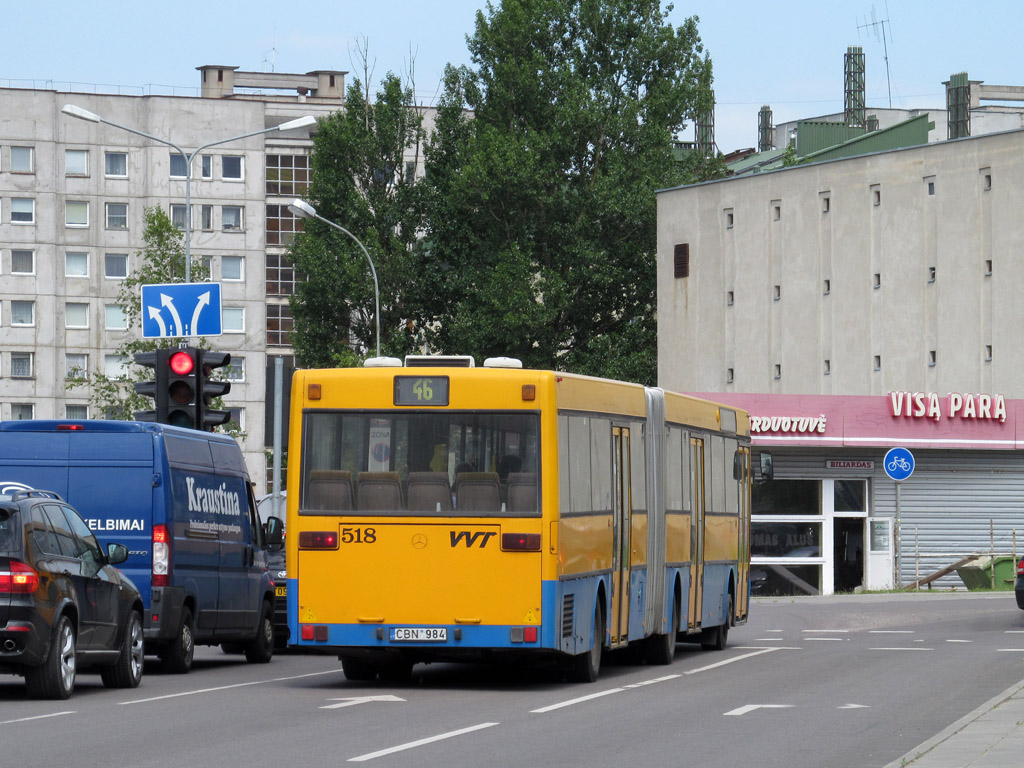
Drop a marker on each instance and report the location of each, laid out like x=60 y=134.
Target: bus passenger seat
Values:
x=329 y=489
x=522 y=491
x=429 y=492
x=477 y=492
x=379 y=490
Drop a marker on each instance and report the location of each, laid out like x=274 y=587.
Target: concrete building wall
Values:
x=870 y=263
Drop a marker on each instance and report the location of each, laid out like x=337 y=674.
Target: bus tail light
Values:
x=318 y=540
x=315 y=632
x=161 y=556
x=18 y=579
x=523 y=634
x=520 y=542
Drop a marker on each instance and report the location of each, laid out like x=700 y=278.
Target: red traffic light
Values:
x=181 y=363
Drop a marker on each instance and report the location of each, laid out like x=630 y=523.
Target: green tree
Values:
x=162 y=260
x=540 y=237
x=360 y=182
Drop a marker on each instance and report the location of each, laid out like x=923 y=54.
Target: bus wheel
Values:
x=661 y=649
x=587 y=666
x=716 y=638
x=357 y=670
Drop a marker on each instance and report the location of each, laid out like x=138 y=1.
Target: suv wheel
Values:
x=55 y=677
x=127 y=671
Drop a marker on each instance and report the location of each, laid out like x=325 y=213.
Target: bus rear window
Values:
x=446 y=463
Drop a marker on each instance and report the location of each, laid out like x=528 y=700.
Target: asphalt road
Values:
x=812 y=682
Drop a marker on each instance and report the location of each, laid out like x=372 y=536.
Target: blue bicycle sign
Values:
x=899 y=463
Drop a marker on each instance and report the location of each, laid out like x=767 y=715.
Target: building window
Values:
x=730 y=298
x=231 y=217
x=235 y=370
x=76 y=412
x=778 y=371
x=231 y=167
x=179 y=166
x=23 y=210
x=232 y=267
x=280 y=275
x=876 y=280
x=116 y=164
x=178 y=215
x=207 y=166
x=117 y=215
x=878 y=362
x=21 y=365
x=279 y=325
x=876 y=197
x=115 y=366
x=76 y=213
x=23 y=411
x=931 y=274
x=826 y=203
x=987 y=184
x=281 y=225
x=23 y=262
x=287 y=175
x=115 y=266
x=206 y=217
x=76 y=264
x=22 y=160
x=988 y=267
x=728 y=218
x=826 y=287
x=828 y=367
x=681 y=260
x=237 y=417
x=76 y=365
x=23 y=313
x=76 y=162
x=729 y=375
x=777 y=293
x=776 y=211
x=988 y=353
x=76 y=315
x=931 y=187
x=114 y=318
x=931 y=358
x=233 y=319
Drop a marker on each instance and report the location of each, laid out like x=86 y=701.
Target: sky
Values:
x=786 y=55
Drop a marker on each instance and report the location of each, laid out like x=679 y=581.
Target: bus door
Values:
x=621 y=524
x=743 y=548
x=696 y=530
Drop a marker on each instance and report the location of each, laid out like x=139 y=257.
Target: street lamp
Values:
x=304 y=210
x=83 y=114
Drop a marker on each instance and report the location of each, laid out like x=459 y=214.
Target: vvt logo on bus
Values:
x=471 y=538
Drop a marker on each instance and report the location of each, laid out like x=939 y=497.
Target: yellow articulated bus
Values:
x=439 y=511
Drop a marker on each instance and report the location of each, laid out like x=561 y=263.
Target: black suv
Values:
x=62 y=602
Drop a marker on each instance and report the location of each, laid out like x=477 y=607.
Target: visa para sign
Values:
x=956 y=405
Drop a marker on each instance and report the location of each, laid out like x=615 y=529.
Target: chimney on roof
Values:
x=764 y=129
x=853 y=112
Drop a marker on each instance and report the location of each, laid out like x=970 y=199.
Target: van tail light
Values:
x=1020 y=567
x=18 y=579
x=520 y=542
x=161 y=556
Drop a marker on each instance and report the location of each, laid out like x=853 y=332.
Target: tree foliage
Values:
x=359 y=182
x=540 y=235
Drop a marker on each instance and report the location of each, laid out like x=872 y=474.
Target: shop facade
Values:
x=832 y=520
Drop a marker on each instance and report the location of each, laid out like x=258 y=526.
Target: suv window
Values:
x=10 y=541
x=61 y=531
x=41 y=536
x=86 y=545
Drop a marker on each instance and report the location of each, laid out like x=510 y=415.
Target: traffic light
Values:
x=182 y=389
x=157 y=388
x=207 y=418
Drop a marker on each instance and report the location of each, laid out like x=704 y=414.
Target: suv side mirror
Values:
x=274 y=530
x=116 y=553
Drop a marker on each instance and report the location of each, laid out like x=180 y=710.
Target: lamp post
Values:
x=83 y=114
x=304 y=210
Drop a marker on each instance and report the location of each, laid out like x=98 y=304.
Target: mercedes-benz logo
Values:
x=419 y=541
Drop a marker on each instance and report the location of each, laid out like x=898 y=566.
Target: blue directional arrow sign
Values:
x=181 y=309
x=899 y=463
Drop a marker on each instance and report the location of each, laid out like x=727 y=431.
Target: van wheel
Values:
x=177 y=656
x=55 y=678
x=127 y=671
x=261 y=649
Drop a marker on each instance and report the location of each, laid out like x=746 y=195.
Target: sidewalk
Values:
x=992 y=736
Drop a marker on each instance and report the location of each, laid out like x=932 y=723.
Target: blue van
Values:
x=182 y=503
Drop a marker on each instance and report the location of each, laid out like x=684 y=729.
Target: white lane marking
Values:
x=1010 y=650
x=768 y=639
x=890 y=631
x=757 y=652
x=1015 y=631
x=751 y=707
x=225 y=687
x=828 y=631
x=959 y=641
x=825 y=639
x=652 y=682
x=855 y=706
x=350 y=702
x=581 y=699
x=36 y=717
x=420 y=742
x=903 y=649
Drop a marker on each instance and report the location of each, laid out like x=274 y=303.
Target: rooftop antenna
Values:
x=268 y=60
x=878 y=26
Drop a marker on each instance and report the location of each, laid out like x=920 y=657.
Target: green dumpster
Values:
x=978 y=573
